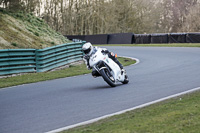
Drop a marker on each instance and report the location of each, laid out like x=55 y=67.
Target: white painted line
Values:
x=123 y=111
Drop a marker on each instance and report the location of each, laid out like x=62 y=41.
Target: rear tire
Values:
x=109 y=79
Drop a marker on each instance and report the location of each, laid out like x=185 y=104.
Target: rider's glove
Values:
x=86 y=57
x=104 y=51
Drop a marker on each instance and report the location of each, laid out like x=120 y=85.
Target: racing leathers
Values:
x=111 y=55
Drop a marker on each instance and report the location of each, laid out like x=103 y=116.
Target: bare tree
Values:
x=80 y=17
x=192 y=20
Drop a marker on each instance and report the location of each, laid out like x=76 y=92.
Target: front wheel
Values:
x=107 y=76
x=126 y=80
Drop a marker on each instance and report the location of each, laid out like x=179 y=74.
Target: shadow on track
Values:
x=104 y=87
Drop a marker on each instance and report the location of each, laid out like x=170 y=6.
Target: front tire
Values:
x=107 y=77
x=126 y=80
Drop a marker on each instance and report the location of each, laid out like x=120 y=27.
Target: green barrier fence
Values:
x=13 y=61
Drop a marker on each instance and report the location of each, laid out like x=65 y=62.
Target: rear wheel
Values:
x=107 y=76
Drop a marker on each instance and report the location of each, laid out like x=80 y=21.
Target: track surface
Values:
x=45 y=106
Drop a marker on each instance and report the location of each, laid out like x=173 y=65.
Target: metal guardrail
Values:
x=13 y=61
x=56 y=56
x=17 y=61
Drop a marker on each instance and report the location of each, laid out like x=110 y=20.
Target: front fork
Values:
x=101 y=65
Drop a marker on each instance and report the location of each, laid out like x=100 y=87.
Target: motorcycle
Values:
x=108 y=69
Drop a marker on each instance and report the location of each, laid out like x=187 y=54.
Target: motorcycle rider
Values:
x=88 y=50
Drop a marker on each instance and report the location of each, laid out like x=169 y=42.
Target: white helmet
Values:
x=87 y=48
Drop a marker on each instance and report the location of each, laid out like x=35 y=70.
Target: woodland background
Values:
x=88 y=17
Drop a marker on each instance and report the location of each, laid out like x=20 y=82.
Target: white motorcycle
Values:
x=108 y=69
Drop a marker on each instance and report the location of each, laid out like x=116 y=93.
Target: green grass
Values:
x=177 y=115
x=126 y=61
x=27 y=31
x=43 y=76
x=73 y=70
x=157 y=45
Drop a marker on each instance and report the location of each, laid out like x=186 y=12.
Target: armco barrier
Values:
x=56 y=56
x=17 y=61
x=13 y=61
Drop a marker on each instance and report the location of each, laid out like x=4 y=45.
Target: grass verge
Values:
x=177 y=115
x=72 y=70
x=24 y=30
x=157 y=45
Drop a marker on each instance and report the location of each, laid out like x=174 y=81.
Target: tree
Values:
x=80 y=17
x=192 y=20
x=173 y=15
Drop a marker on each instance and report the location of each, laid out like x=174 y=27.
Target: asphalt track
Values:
x=49 y=105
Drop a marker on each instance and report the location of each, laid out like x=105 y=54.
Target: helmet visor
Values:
x=87 y=51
